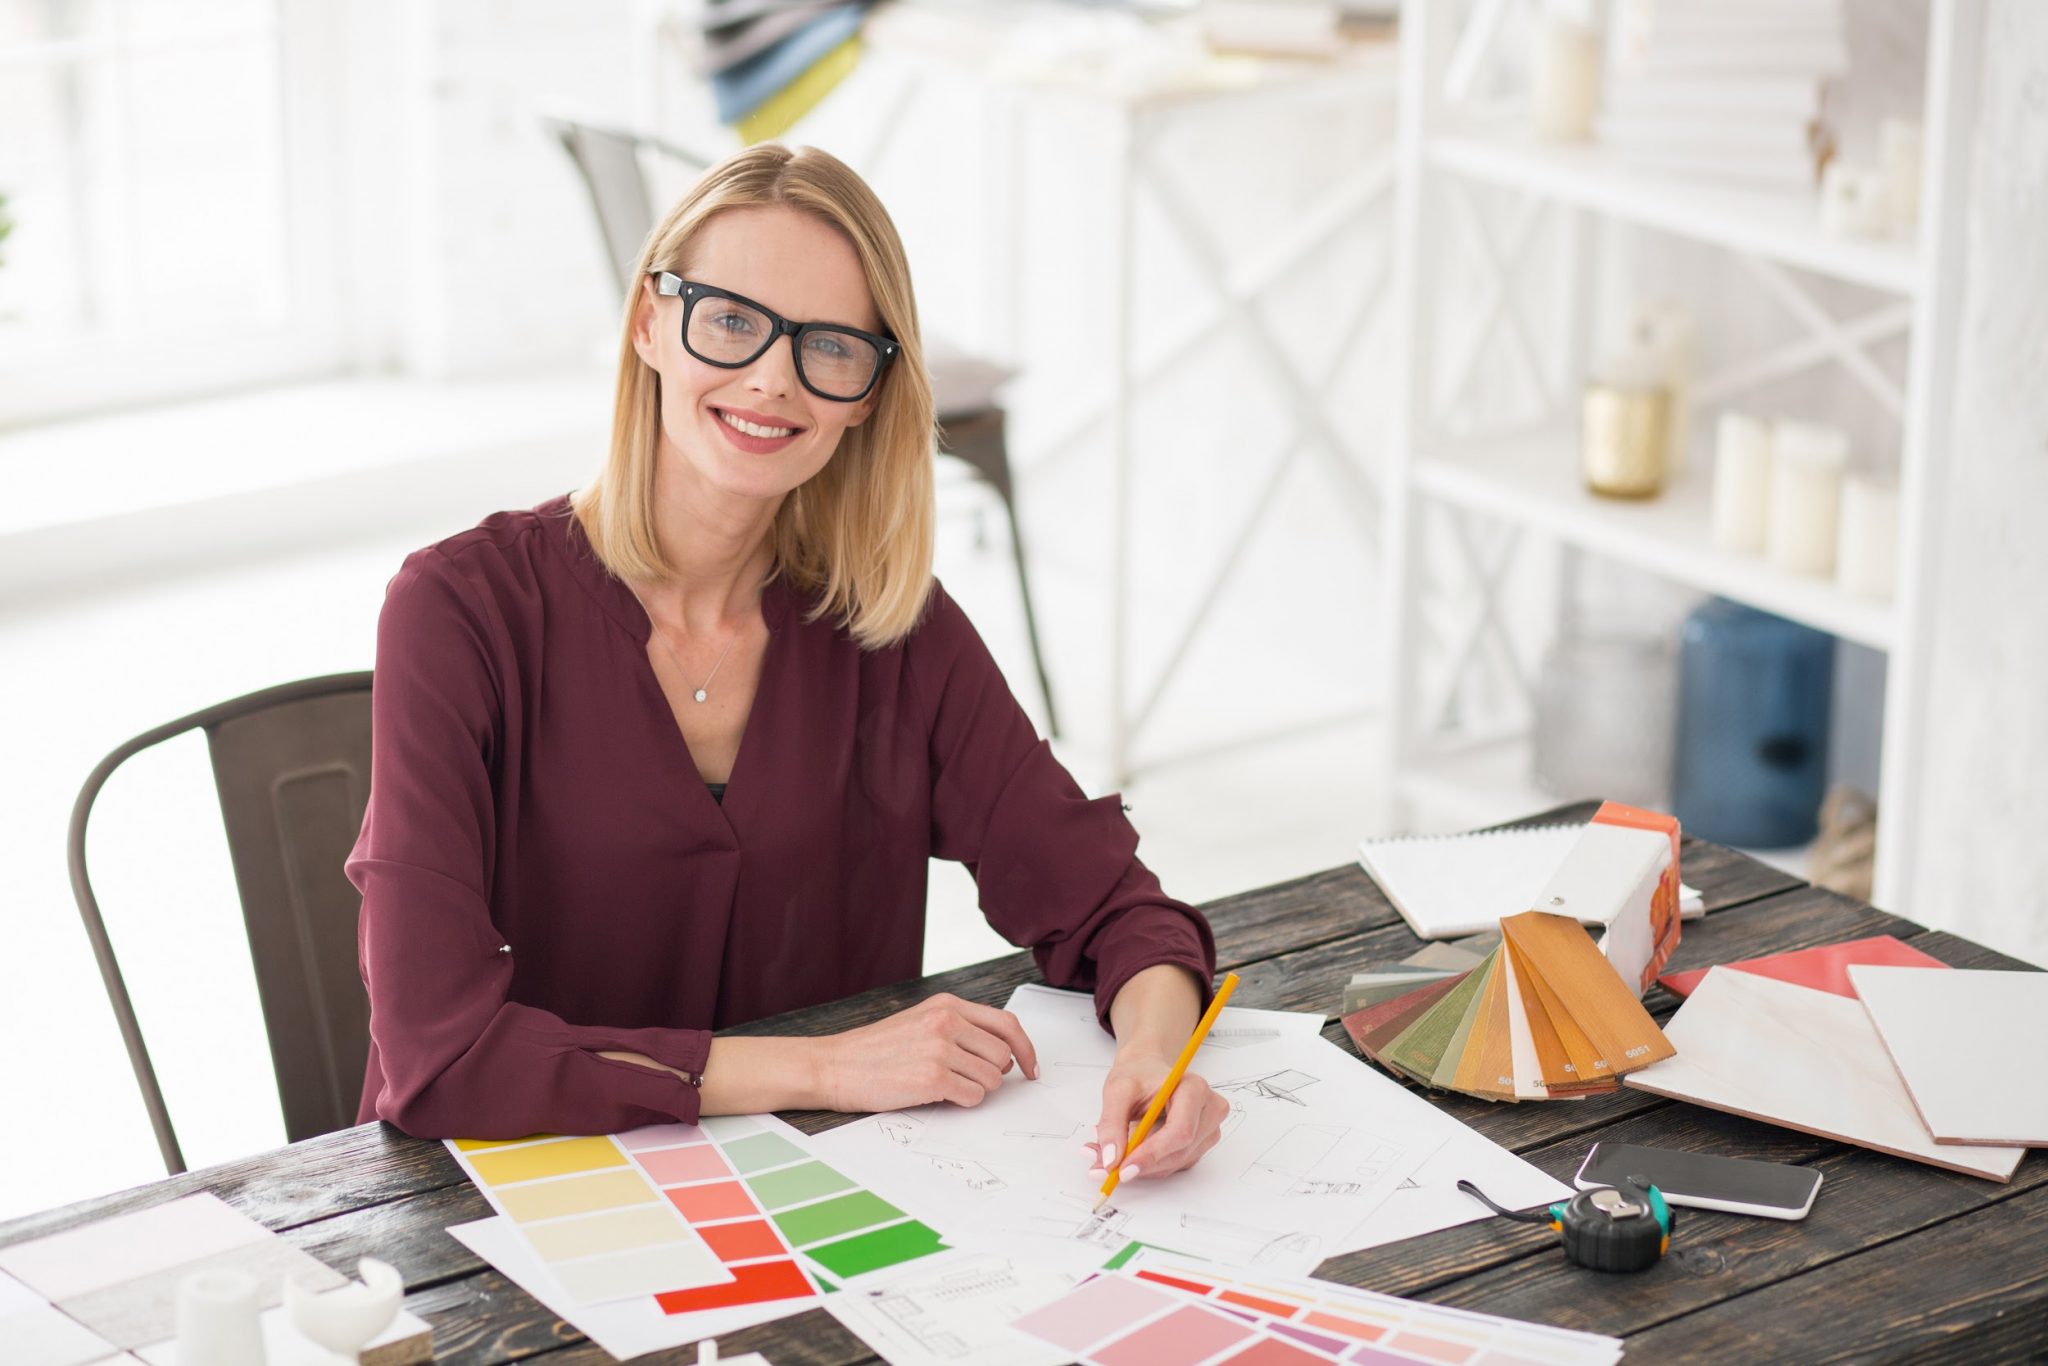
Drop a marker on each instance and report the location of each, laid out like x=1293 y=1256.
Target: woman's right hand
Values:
x=942 y=1048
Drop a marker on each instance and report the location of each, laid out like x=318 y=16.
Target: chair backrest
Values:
x=292 y=767
x=609 y=161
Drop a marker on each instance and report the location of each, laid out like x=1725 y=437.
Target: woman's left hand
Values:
x=1190 y=1126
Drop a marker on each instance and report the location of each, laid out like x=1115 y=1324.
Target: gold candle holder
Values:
x=1625 y=439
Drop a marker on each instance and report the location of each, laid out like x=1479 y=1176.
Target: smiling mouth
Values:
x=754 y=429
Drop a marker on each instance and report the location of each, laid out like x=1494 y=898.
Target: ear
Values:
x=645 y=312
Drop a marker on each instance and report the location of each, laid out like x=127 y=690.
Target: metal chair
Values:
x=292 y=766
x=971 y=423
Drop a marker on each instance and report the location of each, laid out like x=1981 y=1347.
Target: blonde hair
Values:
x=858 y=534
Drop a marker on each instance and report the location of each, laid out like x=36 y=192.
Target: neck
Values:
x=718 y=548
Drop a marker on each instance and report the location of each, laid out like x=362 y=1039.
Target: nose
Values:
x=773 y=372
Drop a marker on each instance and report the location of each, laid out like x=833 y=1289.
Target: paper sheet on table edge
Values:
x=939 y=1265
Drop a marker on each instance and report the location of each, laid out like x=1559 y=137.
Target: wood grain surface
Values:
x=1898 y=1261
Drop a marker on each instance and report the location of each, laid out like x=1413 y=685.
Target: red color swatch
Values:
x=756 y=1284
x=720 y=1200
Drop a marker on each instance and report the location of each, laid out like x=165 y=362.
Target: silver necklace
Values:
x=701 y=693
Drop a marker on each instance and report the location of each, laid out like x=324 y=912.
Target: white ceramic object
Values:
x=1807 y=463
x=346 y=1319
x=1742 y=483
x=218 y=1320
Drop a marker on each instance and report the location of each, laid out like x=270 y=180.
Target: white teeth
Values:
x=740 y=424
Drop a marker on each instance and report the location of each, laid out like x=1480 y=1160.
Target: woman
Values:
x=674 y=754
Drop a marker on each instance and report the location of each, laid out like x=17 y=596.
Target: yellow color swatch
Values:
x=559 y=1158
x=477 y=1145
x=575 y=1195
x=618 y=1231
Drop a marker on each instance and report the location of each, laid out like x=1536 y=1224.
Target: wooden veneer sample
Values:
x=1803 y=1059
x=1957 y=1039
x=1593 y=1009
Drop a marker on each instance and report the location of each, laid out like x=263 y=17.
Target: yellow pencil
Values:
x=1166 y=1089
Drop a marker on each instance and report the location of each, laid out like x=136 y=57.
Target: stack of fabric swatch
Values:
x=772 y=61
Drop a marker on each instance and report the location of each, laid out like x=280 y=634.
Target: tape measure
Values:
x=1624 y=1227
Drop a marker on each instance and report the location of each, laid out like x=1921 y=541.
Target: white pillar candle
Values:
x=1806 y=496
x=217 y=1320
x=1855 y=201
x=1899 y=140
x=1866 y=562
x=1742 y=483
x=1567 y=76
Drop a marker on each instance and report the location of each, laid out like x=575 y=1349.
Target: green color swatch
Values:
x=794 y=1185
x=723 y=1127
x=1130 y=1250
x=755 y=1151
x=876 y=1249
x=832 y=1218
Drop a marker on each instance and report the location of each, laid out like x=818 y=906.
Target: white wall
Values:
x=1982 y=869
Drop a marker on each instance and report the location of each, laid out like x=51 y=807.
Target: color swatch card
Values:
x=1804 y=1059
x=592 y=1215
x=1333 y=1318
x=105 y=1289
x=1823 y=968
x=1958 y=1039
x=779 y=1225
x=1160 y=1312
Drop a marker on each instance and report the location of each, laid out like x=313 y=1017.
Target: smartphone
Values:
x=1771 y=1189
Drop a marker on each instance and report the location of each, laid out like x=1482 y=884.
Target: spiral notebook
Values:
x=1445 y=886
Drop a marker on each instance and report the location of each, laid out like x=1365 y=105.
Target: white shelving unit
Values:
x=1471 y=498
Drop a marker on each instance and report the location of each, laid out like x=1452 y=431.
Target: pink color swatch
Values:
x=1189 y=1333
x=674 y=1166
x=1094 y=1311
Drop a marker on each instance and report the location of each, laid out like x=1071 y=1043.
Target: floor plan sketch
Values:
x=1224 y=1240
x=1322 y=1159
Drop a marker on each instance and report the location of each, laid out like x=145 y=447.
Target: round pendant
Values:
x=699 y=694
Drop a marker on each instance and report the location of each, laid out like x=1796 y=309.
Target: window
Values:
x=166 y=167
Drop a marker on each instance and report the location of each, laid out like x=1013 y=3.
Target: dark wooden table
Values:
x=1897 y=1261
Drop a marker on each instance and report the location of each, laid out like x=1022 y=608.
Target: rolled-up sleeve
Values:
x=452 y=1054
x=1058 y=873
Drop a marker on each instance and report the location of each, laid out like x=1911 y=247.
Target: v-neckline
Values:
x=773 y=610
x=620 y=603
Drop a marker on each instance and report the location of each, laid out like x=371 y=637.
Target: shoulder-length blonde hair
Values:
x=858 y=534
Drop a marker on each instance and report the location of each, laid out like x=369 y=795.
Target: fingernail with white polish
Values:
x=1109 y=1154
x=1128 y=1172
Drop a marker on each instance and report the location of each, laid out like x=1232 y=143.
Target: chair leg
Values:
x=1052 y=716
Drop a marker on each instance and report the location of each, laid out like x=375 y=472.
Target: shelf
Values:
x=1534 y=483
x=1781 y=225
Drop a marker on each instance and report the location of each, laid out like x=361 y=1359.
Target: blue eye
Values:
x=736 y=321
x=826 y=346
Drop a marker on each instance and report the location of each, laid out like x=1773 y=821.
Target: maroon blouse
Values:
x=545 y=875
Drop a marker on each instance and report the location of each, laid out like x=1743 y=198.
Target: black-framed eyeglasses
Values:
x=728 y=330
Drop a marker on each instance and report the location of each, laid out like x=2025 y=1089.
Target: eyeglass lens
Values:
x=832 y=362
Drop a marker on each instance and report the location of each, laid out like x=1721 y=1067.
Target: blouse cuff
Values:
x=685 y=1050
x=1146 y=937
